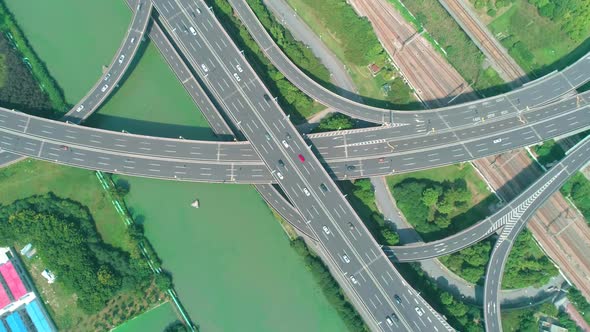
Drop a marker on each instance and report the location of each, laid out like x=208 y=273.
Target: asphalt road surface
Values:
x=576 y=159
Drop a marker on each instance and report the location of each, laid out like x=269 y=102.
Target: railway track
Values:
x=496 y=54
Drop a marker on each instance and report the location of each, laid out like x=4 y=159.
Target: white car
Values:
x=419 y=311
x=306 y=192
x=279 y=175
x=353 y=279
x=104 y=88
x=389 y=321
x=346 y=259
x=239 y=68
x=121 y=58
x=237 y=77
x=204 y=67
x=193 y=31
x=81 y=107
x=326 y=229
x=107 y=76
x=497 y=140
x=285 y=144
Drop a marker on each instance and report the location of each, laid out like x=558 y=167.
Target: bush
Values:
x=334 y=121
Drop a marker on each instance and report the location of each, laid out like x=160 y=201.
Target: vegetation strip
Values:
x=9 y=26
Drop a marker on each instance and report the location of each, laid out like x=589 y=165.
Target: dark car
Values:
x=266 y=97
x=397 y=299
x=350 y=168
x=281 y=163
x=323 y=187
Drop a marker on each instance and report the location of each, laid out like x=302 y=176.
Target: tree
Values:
x=335 y=121
x=164 y=281
x=390 y=236
x=430 y=196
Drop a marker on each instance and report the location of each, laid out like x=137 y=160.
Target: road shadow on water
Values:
x=142 y=127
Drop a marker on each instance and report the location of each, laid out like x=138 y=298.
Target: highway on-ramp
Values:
x=576 y=159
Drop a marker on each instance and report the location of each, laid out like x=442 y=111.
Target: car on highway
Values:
x=121 y=58
x=107 y=76
x=323 y=187
x=351 y=226
x=326 y=229
x=193 y=31
x=350 y=168
x=381 y=160
x=388 y=321
x=81 y=107
x=353 y=279
x=204 y=67
x=267 y=136
x=239 y=68
x=132 y=40
x=237 y=77
x=63 y=147
x=281 y=163
x=266 y=97
x=394 y=316
x=104 y=88
x=285 y=144
x=497 y=140
x=345 y=258
x=306 y=192
x=301 y=158
x=397 y=299
x=198 y=10
x=419 y=311
x=279 y=175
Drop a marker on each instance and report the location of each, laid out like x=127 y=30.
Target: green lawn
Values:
x=32 y=177
x=369 y=87
x=461 y=52
x=536 y=43
x=155 y=319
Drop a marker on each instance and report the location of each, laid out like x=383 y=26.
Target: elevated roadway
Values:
x=111 y=76
x=534 y=93
x=576 y=159
x=234 y=73
x=237 y=161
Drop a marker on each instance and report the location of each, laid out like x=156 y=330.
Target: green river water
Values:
x=232 y=264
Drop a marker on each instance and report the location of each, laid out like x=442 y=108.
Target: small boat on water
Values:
x=196 y=204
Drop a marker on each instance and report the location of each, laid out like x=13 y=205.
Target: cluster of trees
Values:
x=470 y=263
x=334 y=121
x=578 y=189
x=527 y=265
x=359 y=42
x=64 y=233
x=18 y=88
x=549 y=152
x=295 y=50
x=527 y=319
x=429 y=205
x=462 y=316
x=9 y=27
x=330 y=288
x=297 y=104
x=572 y=15
x=362 y=199
x=176 y=326
x=580 y=302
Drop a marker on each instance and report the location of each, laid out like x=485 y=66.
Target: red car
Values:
x=301 y=157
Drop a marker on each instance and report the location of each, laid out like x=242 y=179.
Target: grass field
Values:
x=461 y=52
x=155 y=319
x=544 y=46
x=368 y=86
x=32 y=177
